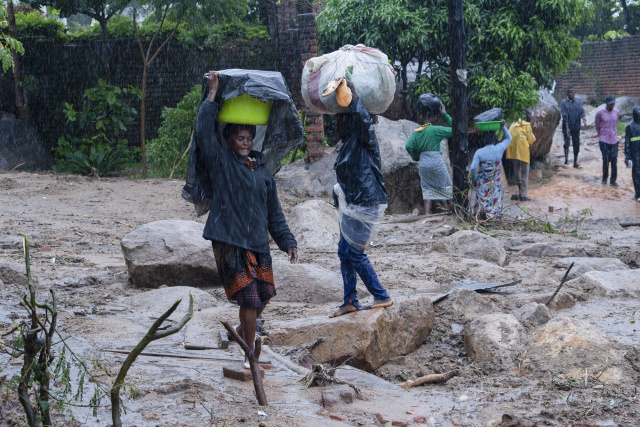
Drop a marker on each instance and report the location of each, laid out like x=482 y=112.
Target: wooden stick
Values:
x=561 y=283
x=431 y=379
x=253 y=363
x=286 y=362
x=176 y=356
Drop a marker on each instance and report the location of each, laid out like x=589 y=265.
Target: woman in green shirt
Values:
x=424 y=146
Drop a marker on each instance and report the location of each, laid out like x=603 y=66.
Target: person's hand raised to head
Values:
x=293 y=255
x=213 y=82
x=352 y=87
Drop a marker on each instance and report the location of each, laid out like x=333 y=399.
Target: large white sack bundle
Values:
x=368 y=69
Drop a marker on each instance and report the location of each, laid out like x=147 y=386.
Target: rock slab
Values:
x=474 y=245
x=617 y=283
x=315 y=225
x=171 y=253
x=369 y=337
x=585 y=264
x=567 y=346
x=494 y=338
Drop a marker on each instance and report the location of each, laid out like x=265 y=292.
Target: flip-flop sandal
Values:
x=380 y=304
x=343 y=310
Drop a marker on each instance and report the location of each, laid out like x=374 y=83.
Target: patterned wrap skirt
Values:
x=489 y=189
x=247 y=277
x=434 y=177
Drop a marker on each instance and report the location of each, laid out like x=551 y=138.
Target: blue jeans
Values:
x=354 y=261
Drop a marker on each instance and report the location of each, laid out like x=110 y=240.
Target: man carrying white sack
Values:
x=362 y=200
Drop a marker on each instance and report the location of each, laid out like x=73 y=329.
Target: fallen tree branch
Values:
x=153 y=334
x=564 y=279
x=286 y=362
x=629 y=224
x=253 y=362
x=430 y=379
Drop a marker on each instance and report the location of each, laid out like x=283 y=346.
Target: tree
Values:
x=173 y=14
x=14 y=59
x=100 y=10
x=8 y=44
x=512 y=48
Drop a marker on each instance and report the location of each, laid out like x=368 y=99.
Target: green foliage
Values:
x=7 y=43
x=95 y=133
x=522 y=44
x=612 y=35
x=37 y=25
x=167 y=151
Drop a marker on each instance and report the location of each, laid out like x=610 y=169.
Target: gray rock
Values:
x=470 y=304
x=370 y=337
x=337 y=396
x=538 y=250
x=316 y=181
x=306 y=283
x=20 y=144
x=568 y=347
x=494 y=338
x=618 y=283
x=315 y=225
x=624 y=104
x=544 y=123
x=533 y=314
x=474 y=245
x=535 y=176
x=13 y=273
x=154 y=303
x=169 y=253
x=561 y=301
x=585 y=264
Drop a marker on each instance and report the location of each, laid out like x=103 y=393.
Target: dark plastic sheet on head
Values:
x=493 y=115
x=429 y=104
x=284 y=130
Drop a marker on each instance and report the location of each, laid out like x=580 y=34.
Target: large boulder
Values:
x=546 y=118
x=471 y=244
x=617 y=283
x=169 y=253
x=306 y=283
x=20 y=145
x=369 y=337
x=315 y=225
x=585 y=264
x=568 y=347
x=309 y=179
x=470 y=304
x=494 y=338
x=624 y=104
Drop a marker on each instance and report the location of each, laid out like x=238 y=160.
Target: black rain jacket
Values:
x=357 y=166
x=245 y=204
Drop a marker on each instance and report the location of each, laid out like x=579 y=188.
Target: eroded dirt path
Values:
x=75 y=225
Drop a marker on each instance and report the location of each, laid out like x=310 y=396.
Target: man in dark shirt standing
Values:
x=572 y=111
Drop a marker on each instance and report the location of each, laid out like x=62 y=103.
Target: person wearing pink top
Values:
x=606 y=126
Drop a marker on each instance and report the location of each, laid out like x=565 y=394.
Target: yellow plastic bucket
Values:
x=244 y=109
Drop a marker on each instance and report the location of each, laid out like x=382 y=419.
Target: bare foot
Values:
x=345 y=309
x=380 y=303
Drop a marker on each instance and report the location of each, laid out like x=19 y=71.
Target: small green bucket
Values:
x=484 y=126
x=244 y=109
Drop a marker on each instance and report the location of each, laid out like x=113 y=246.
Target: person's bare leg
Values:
x=427 y=207
x=248 y=324
x=566 y=156
x=258 y=315
x=575 y=160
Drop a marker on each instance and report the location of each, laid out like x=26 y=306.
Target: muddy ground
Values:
x=75 y=225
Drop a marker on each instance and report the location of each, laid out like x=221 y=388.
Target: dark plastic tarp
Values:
x=283 y=132
x=493 y=115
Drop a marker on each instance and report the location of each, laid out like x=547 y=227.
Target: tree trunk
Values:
x=143 y=116
x=627 y=18
x=459 y=109
x=21 y=98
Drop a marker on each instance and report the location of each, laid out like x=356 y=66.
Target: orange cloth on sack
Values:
x=522 y=137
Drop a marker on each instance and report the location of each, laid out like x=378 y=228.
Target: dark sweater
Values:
x=245 y=203
x=358 y=163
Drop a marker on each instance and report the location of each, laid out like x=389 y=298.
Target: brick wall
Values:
x=63 y=72
x=604 y=68
x=292 y=26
